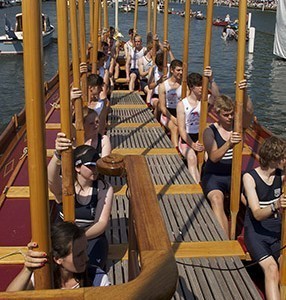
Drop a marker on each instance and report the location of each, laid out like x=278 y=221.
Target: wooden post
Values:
x=82 y=33
x=76 y=75
x=155 y=2
x=283 y=252
x=204 y=101
x=35 y=120
x=149 y=7
x=67 y=156
x=239 y=94
x=186 y=48
x=95 y=33
x=135 y=16
x=165 y=38
x=105 y=15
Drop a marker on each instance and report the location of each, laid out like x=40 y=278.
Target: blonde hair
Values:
x=223 y=102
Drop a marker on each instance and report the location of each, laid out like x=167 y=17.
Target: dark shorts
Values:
x=263 y=238
x=143 y=84
x=212 y=182
x=193 y=136
x=97 y=251
x=135 y=71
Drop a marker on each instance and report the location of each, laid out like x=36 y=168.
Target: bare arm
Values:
x=105 y=145
x=33 y=260
x=54 y=167
x=141 y=69
x=248 y=111
x=253 y=201
x=215 y=154
x=127 y=67
x=103 y=210
x=151 y=82
x=214 y=88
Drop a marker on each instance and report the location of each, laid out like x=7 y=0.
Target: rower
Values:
x=169 y=96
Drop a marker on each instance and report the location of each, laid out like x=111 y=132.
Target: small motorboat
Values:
x=220 y=22
x=199 y=15
x=12 y=41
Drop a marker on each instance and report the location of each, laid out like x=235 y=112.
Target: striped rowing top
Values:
x=267 y=194
x=222 y=167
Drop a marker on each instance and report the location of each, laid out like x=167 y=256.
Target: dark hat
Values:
x=85 y=155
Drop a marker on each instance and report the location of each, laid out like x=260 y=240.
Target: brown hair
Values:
x=272 y=150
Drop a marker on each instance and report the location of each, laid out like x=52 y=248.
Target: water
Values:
x=265 y=74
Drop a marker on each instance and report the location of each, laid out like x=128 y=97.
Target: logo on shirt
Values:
x=277 y=192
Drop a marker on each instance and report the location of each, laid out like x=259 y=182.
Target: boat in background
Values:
x=220 y=22
x=279 y=48
x=12 y=41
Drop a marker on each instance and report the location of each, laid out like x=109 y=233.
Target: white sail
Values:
x=279 y=48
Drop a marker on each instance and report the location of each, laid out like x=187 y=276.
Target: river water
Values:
x=266 y=75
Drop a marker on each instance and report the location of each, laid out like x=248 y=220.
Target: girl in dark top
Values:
x=92 y=136
x=69 y=259
x=263 y=189
x=93 y=199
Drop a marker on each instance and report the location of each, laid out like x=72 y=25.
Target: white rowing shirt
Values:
x=173 y=96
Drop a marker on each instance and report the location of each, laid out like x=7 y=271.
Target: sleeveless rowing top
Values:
x=85 y=214
x=192 y=116
x=222 y=167
x=129 y=46
x=157 y=75
x=173 y=96
x=267 y=194
x=135 y=55
x=147 y=64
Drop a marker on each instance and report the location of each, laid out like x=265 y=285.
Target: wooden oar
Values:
x=102 y=35
x=95 y=33
x=91 y=20
x=105 y=15
x=135 y=16
x=186 y=48
x=67 y=155
x=82 y=33
x=116 y=16
x=283 y=252
x=76 y=75
x=149 y=7
x=204 y=101
x=35 y=121
x=155 y=3
x=165 y=38
x=239 y=94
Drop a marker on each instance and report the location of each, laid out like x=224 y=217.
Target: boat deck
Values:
x=193 y=230
x=196 y=236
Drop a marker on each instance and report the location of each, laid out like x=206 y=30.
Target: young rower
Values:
x=188 y=116
x=169 y=96
x=219 y=140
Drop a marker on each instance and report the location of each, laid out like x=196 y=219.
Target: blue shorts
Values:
x=262 y=238
x=143 y=84
x=135 y=71
x=212 y=182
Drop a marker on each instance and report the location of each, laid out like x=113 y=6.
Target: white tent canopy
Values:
x=279 y=48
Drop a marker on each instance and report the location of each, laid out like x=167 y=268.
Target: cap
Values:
x=85 y=155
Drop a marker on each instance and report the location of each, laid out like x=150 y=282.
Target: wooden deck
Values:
x=192 y=228
x=190 y=222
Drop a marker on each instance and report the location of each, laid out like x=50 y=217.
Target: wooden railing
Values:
x=152 y=267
